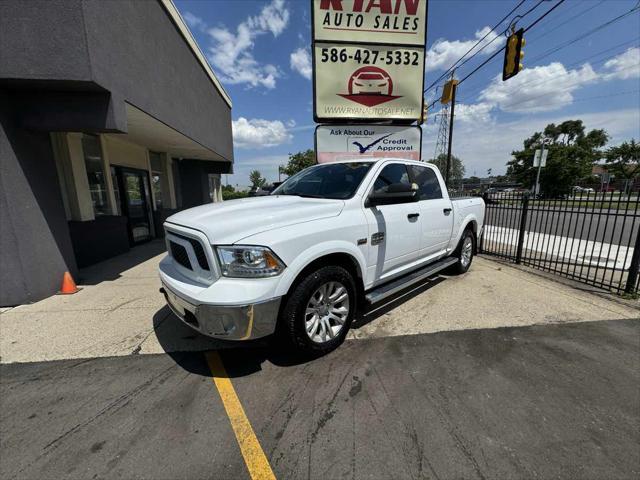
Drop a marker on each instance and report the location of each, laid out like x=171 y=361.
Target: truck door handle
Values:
x=411 y=216
x=446 y=211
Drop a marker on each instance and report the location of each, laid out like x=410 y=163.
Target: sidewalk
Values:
x=119 y=311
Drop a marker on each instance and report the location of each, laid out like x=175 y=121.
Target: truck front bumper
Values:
x=228 y=322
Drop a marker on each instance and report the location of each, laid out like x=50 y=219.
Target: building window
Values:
x=159 y=181
x=95 y=174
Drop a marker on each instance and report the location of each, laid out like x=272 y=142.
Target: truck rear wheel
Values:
x=319 y=311
x=464 y=253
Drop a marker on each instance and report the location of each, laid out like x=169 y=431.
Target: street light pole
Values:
x=453 y=108
x=537 y=189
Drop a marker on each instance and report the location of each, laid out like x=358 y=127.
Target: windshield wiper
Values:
x=302 y=195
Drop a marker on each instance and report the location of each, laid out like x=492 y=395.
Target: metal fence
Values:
x=589 y=237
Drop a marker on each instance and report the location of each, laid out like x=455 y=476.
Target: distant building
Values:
x=110 y=120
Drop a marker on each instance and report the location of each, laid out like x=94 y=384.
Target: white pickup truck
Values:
x=328 y=241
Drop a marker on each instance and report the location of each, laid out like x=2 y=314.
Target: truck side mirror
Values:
x=395 y=193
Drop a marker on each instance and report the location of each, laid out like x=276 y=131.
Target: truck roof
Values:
x=380 y=159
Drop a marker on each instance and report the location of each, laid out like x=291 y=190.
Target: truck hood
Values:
x=230 y=221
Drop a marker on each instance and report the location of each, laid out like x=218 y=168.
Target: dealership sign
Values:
x=393 y=22
x=368 y=82
x=368 y=60
x=344 y=142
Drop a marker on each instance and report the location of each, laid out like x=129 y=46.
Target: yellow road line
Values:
x=254 y=457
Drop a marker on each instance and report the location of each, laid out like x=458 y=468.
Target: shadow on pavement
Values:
x=112 y=268
x=372 y=313
x=188 y=348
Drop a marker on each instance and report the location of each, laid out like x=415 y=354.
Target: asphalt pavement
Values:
x=598 y=225
x=545 y=401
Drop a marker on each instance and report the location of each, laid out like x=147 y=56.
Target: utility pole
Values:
x=454 y=85
x=279 y=172
x=537 y=189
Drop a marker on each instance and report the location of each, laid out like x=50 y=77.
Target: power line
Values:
x=534 y=83
x=579 y=99
x=580 y=37
x=448 y=71
x=567 y=88
x=584 y=35
x=560 y=2
x=569 y=20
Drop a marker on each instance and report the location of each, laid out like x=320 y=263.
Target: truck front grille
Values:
x=197 y=249
x=179 y=254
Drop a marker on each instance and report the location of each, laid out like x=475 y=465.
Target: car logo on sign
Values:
x=370 y=86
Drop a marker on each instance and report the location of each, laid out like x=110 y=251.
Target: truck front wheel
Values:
x=319 y=311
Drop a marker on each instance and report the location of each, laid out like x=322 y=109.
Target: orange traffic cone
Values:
x=68 y=285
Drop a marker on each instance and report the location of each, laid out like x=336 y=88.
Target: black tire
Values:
x=292 y=319
x=463 y=266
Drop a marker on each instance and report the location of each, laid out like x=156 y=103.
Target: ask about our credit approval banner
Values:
x=368 y=59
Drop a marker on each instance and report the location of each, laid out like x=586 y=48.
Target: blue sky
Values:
x=260 y=52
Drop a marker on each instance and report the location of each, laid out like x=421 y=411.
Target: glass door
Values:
x=135 y=203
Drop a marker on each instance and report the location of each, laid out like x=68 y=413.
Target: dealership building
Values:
x=111 y=119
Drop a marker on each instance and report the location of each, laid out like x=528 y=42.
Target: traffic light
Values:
x=513 y=54
x=447 y=91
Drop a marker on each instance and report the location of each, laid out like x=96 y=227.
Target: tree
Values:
x=230 y=193
x=457 y=168
x=298 y=162
x=624 y=160
x=571 y=156
x=256 y=179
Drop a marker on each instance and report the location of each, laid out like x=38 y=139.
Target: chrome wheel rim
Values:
x=326 y=312
x=467 y=252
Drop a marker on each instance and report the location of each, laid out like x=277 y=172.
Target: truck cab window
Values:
x=428 y=185
x=394 y=173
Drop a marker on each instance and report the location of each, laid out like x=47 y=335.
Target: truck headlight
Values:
x=248 y=261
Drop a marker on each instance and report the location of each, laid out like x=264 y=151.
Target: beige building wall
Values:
x=124 y=153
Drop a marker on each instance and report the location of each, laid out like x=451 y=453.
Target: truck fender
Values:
x=468 y=219
x=314 y=253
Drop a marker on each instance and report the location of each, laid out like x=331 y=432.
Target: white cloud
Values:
x=483 y=145
x=193 y=21
x=538 y=89
x=273 y=17
x=624 y=66
x=474 y=112
x=444 y=53
x=301 y=62
x=259 y=133
x=230 y=53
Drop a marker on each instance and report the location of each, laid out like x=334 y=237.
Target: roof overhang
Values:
x=151 y=133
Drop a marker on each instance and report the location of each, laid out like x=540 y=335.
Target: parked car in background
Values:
x=325 y=243
x=579 y=189
x=259 y=192
x=494 y=195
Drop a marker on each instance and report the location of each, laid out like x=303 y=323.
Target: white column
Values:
x=106 y=164
x=172 y=187
x=80 y=202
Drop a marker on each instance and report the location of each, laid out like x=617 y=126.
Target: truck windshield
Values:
x=329 y=180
